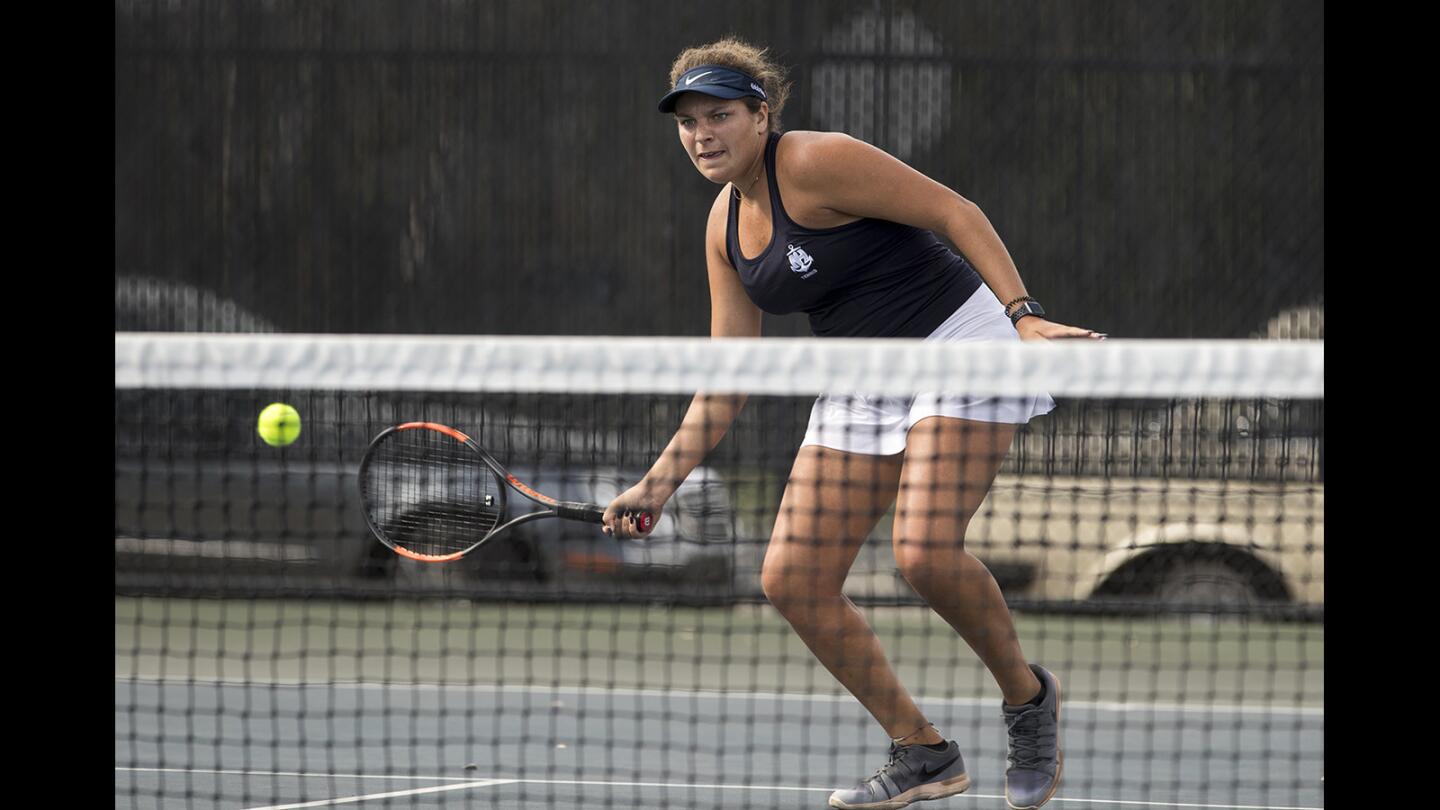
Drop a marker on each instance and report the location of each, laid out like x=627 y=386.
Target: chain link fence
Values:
x=1155 y=168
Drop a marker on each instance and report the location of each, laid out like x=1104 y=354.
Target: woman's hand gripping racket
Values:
x=432 y=494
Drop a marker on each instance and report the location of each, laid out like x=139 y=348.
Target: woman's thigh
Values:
x=949 y=467
x=831 y=503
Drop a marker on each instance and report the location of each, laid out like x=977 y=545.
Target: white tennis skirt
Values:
x=879 y=425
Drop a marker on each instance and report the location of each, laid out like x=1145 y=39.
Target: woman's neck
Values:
x=750 y=178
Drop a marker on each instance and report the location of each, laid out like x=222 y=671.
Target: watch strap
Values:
x=1030 y=307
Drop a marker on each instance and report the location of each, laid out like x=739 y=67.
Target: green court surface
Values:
x=740 y=648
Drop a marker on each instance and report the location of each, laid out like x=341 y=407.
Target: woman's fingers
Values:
x=1050 y=330
x=612 y=517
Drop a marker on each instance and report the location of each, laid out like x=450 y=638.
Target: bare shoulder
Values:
x=716 y=223
x=809 y=158
x=801 y=141
x=830 y=178
x=720 y=209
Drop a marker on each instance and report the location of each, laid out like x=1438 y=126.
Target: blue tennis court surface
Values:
x=219 y=745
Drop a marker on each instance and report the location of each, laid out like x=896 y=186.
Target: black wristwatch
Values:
x=1026 y=308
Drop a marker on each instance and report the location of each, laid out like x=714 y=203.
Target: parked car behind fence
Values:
x=1153 y=501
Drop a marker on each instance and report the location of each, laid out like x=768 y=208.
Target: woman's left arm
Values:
x=852 y=177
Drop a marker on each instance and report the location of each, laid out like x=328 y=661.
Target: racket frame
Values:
x=571 y=510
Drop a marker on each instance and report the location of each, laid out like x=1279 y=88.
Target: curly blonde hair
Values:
x=742 y=56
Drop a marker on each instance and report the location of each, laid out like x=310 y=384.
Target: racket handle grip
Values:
x=592 y=513
x=583 y=512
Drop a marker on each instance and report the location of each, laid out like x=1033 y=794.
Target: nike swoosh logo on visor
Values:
x=692 y=79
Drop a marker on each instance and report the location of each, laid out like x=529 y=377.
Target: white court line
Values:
x=601 y=691
x=391 y=795
x=588 y=783
x=301 y=775
x=467 y=784
x=1133 y=803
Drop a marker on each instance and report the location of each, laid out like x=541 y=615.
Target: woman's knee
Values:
x=921 y=558
x=914 y=563
x=793 y=587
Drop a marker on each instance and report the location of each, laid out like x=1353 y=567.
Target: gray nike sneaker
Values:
x=914 y=773
x=1032 y=771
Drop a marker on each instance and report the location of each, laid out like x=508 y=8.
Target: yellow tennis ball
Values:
x=279 y=424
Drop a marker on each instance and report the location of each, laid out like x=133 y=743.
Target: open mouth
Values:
x=711 y=155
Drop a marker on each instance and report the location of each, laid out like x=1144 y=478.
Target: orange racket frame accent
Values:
x=436 y=426
x=429 y=558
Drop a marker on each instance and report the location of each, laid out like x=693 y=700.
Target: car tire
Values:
x=1205 y=581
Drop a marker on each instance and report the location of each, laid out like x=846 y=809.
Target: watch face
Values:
x=1027 y=308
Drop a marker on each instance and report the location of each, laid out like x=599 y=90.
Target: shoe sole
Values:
x=919 y=793
x=1059 y=756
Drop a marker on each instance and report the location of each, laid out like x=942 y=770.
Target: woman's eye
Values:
x=721 y=116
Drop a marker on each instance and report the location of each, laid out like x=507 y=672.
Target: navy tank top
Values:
x=869 y=278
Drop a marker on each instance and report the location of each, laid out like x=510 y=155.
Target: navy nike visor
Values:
x=712 y=80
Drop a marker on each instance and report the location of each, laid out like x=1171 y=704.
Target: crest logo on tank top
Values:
x=800 y=262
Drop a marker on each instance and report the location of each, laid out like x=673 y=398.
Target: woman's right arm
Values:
x=732 y=314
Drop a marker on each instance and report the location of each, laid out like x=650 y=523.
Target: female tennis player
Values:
x=826 y=224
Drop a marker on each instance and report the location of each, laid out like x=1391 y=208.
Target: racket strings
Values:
x=429 y=493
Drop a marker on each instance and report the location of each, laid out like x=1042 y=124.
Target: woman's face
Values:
x=721 y=136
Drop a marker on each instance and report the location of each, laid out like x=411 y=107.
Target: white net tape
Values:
x=779 y=366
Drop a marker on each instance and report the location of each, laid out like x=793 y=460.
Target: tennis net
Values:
x=1158 y=538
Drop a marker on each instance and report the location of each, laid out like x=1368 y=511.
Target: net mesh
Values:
x=1158 y=539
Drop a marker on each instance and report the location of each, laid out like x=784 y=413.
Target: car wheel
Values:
x=1205 y=581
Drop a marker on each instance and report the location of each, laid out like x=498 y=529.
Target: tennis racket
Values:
x=433 y=494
